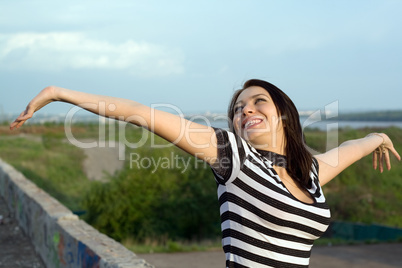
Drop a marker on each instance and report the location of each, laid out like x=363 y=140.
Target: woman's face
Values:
x=256 y=118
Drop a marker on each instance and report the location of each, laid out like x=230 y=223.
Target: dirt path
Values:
x=358 y=256
x=102 y=161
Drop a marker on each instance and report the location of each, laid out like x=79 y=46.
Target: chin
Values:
x=251 y=136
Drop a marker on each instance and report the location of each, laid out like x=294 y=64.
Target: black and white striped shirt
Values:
x=263 y=224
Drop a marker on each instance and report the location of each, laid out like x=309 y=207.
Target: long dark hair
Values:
x=299 y=159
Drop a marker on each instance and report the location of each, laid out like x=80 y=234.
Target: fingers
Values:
x=20 y=120
x=395 y=153
x=387 y=159
x=389 y=146
x=20 y=123
x=17 y=123
x=46 y=96
x=381 y=155
x=381 y=160
x=375 y=156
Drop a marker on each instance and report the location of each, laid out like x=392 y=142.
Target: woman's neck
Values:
x=276 y=144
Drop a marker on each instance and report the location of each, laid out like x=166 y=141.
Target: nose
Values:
x=248 y=109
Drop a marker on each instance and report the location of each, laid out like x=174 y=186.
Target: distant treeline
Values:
x=370 y=116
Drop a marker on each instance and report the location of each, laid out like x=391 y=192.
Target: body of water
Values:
x=326 y=124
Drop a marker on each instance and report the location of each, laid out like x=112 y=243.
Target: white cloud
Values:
x=66 y=50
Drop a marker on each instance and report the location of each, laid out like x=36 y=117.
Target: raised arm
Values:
x=196 y=139
x=336 y=160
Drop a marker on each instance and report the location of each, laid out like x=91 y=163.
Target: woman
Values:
x=269 y=185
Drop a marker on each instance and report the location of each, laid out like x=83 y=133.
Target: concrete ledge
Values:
x=59 y=237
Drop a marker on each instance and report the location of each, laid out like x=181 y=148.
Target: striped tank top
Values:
x=263 y=224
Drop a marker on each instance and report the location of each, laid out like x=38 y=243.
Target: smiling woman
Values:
x=269 y=185
x=280 y=130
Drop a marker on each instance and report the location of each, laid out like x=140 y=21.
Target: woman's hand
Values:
x=338 y=159
x=46 y=96
x=381 y=153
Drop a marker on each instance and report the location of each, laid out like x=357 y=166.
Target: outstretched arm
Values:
x=196 y=139
x=336 y=160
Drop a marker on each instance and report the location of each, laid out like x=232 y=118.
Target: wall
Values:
x=364 y=232
x=59 y=237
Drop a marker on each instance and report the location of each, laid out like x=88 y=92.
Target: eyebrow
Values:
x=252 y=97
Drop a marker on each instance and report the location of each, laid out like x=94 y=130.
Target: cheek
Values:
x=276 y=122
x=236 y=123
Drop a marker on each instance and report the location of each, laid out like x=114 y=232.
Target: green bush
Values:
x=170 y=203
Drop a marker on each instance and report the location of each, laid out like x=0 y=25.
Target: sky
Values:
x=194 y=54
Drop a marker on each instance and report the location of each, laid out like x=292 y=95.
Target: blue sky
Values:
x=195 y=54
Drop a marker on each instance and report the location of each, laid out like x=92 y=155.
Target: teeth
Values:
x=252 y=122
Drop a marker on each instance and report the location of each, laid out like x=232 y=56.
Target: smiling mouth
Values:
x=252 y=123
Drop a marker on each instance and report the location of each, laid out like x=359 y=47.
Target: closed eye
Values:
x=256 y=98
x=259 y=100
x=238 y=108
